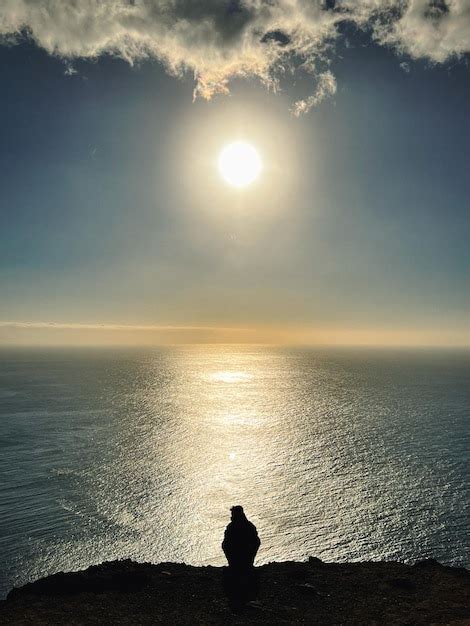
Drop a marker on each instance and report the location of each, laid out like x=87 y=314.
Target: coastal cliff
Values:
x=313 y=592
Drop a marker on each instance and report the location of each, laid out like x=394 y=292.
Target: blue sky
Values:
x=112 y=212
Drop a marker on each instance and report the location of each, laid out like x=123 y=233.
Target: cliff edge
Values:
x=124 y=592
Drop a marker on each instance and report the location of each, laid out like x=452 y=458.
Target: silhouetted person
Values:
x=240 y=545
x=241 y=541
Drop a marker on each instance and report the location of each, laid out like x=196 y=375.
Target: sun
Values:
x=240 y=164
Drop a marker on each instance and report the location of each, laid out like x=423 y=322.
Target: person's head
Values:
x=237 y=513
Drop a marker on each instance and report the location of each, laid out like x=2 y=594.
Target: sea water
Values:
x=341 y=454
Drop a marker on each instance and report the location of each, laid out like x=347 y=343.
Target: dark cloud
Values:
x=218 y=40
x=276 y=36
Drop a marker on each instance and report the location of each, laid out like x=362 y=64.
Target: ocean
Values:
x=346 y=455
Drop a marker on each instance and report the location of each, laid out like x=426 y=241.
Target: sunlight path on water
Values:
x=140 y=454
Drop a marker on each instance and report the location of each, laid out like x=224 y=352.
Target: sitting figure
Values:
x=241 y=541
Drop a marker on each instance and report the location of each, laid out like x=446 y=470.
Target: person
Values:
x=241 y=541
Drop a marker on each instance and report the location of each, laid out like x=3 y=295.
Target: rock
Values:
x=123 y=592
x=307 y=588
x=428 y=563
x=403 y=583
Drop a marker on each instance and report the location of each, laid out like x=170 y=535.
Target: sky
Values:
x=117 y=228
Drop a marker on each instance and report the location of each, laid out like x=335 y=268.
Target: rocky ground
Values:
x=124 y=592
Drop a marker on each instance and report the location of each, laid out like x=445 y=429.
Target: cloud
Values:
x=326 y=87
x=111 y=327
x=71 y=333
x=43 y=333
x=69 y=70
x=437 y=30
x=218 y=40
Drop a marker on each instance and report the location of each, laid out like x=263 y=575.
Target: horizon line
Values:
x=111 y=346
x=68 y=334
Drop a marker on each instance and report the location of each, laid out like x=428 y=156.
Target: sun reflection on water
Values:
x=320 y=451
x=230 y=444
x=228 y=376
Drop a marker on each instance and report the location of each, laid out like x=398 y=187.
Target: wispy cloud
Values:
x=77 y=333
x=326 y=87
x=82 y=334
x=113 y=327
x=218 y=40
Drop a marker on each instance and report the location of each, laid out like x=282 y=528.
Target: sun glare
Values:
x=239 y=164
